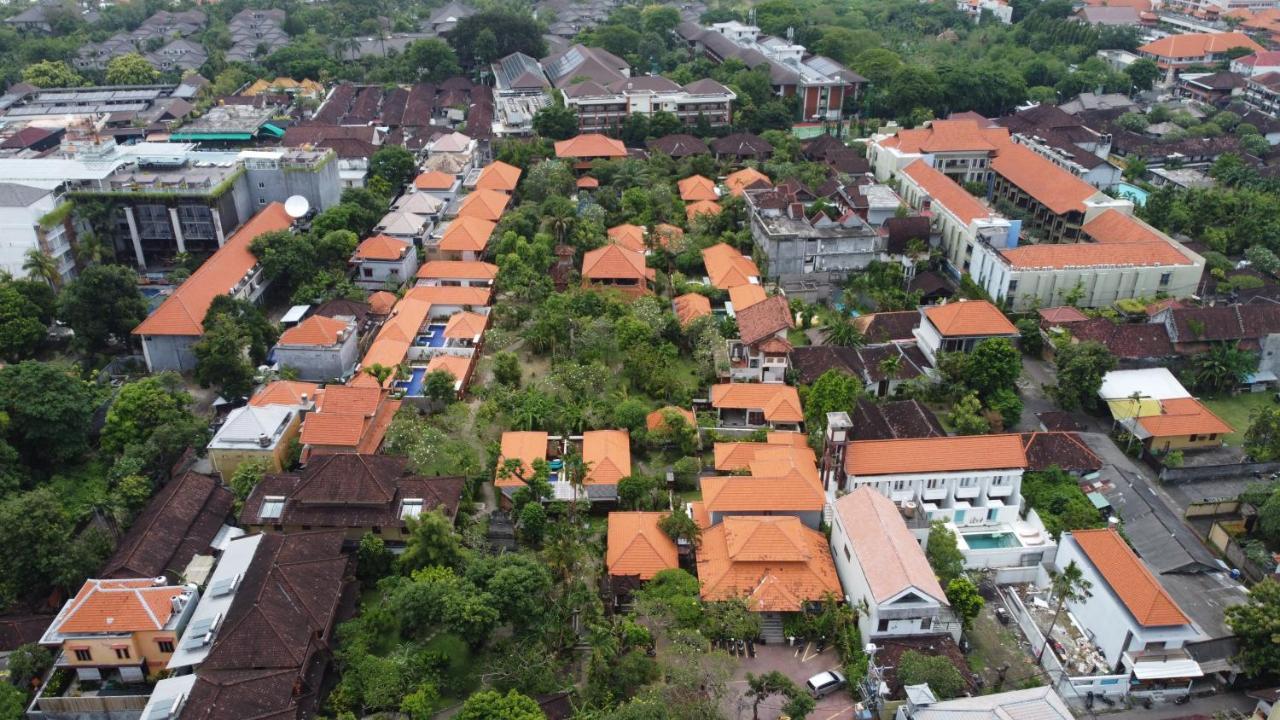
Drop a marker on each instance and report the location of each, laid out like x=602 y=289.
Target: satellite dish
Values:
x=296 y=206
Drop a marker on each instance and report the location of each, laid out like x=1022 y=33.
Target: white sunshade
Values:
x=1171 y=668
x=1156 y=383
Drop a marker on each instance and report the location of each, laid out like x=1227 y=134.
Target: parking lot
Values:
x=797 y=663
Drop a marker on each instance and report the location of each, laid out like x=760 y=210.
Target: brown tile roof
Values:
x=1198 y=45
x=690 y=307
x=728 y=267
x=937 y=454
x=179 y=523
x=1184 y=416
x=607 y=454
x=467 y=233
x=182 y=313
x=435 y=180
x=1062 y=449
x=1129 y=578
x=679 y=146
x=637 y=546
x=614 y=262
x=270 y=655
x=890 y=558
x=779 y=403
x=1224 y=323
x=697 y=187
x=316 y=331
x=742 y=145
x=945 y=192
x=764 y=319
x=484 y=204
x=657 y=418
x=590 y=145
x=628 y=236
x=117 y=606
x=888 y=326
x=775 y=563
x=381 y=247
x=894 y=420
x=498 y=175
x=969 y=318
x=458 y=270
x=525 y=447
x=1127 y=341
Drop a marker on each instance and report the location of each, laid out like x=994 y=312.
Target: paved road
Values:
x=799 y=664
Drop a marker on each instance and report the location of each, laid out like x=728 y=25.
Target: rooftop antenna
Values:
x=296 y=206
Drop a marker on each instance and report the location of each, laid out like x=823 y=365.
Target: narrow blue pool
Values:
x=1132 y=192
x=413 y=386
x=990 y=541
x=433 y=337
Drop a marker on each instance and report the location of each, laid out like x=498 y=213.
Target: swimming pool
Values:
x=1132 y=192
x=990 y=541
x=433 y=337
x=413 y=386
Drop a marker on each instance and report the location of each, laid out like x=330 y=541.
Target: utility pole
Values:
x=871 y=684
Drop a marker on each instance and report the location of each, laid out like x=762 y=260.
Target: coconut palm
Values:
x=891 y=366
x=1069 y=585
x=89 y=249
x=840 y=330
x=380 y=372
x=40 y=265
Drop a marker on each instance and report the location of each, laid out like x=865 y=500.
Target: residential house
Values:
x=883 y=368
x=171 y=330
x=615 y=267
x=746 y=179
x=760 y=352
x=518 y=453
x=783 y=480
x=741 y=147
x=776 y=564
x=457 y=273
x=657 y=420
x=257 y=433
x=120 y=630
x=293 y=393
x=1042 y=703
x=631 y=237
x=355 y=493
x=604 y=107
x=607 y=454
x=405 y=226
x=1258 y=63
x=690 y=307
x=1128 y=615
x=883 y=570
x=1063 y=450
x=1180 y=424
x=587 y=147
x=893 y=419
x=960 y=326
x=697 y=187
x=636 y=549
x=348 y=419
x=1175 y=53
x=1195 y=330
x=1215 y=88
x=882 y=327
x=439 y=184
x=383 y=261
x=484 y=204
x=727 y=267
x=465 y=238
x=320 y=348
x=499 y=176
x=755 y=405
x=178 y=523
x=680 y=146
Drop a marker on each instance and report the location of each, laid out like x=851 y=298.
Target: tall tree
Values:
x=101 y=304
x=1222 y=367
x=1080 y=370
x=131 y=69
x=143 y=406
x=40 y=265
x=1257 y=624
x=20 y=328
x=1068 y=586
x=222 y=358
x=513 y=32
x=50 y=412
x=943 y=554
x=394 y=164
x=491 y=705
x=51 y=74
x=555 y=122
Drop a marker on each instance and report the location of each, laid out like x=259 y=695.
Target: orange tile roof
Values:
x=182 y=313
x=964 y=135
x=285 y=392
x=451 y=295
x=1050 y=185
x=701 y=207
x=735 y=456
x=728 y=267
x=118 y=606
x=664 y=235
x=590 y=145
x=698 y=512
x=350 y=416
x=1129 y=578
x=615 y=262
x=315 y=331
x=775 y=563
x=935 y=454
x=741 y=180
x=891 y=559
x=484 y=204
x=657 y=418
x=608 y=456
x=690 y=307
x=697 y=187
x=381 y=302
x=397 y=334
x=456 y=365
x=465 y=325
x=435 y=180
x=467 y=233
x=525 y=447
x=381 y=247
x=628 y=236
x=744 y=296
x=498 y=175
x=637 y=546
x=586 y=182
x=458 y=270
x=1184 y=416
x=945 y=192
x=1198 y=45
x=969 y=318
x=790 y=491
x=1119 y=240
x=780 y=403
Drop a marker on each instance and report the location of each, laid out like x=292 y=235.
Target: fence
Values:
x=1178 y=476
x=1222 y=539
x=1210 y=508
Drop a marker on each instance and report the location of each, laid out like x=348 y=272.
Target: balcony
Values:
x=966 y=492
x=936 y=493
x=1000 y=491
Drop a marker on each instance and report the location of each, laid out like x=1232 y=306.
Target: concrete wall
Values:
x=374 y=274
x=169 y=352
x=812 y=519
x=320 y=364
x=322 y=187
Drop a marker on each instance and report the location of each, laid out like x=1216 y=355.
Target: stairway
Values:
x=771 y=628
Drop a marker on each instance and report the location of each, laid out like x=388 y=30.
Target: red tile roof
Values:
x=498 y=175
x=607 y=454
x=525 y=447
x=728 y=267
x=435 y=180
x=613 y=262
x=1198 y=45
x=891 y=559
x=1120 y=240
x=484 y=204
x=182 y=313
x=658 y=418
x=118 y=606
x=779 y=403
x=775 y=563
x=1129 y=578
x=628 y=236
x=764 y=319
x=690 y=307
x=458 y=270
x=701 y=207
x=637 y=546
x=285 y=392
x=935 y=454
x=1051 y=186
x=697 y=187
x=745 y=179
x=961 y=135
x=467 y=233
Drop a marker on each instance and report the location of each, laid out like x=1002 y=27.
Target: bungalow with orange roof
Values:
x=348 y=419
x=757 y=405
x=701 y=207
x=1182 y=423
x=727 y=267
x=381 y=261
x=697 y=187
x=521 y=454
x=636 y=549
x=607 y=455
x=499 y=176
x=737 y=456
x=690 y=307
x=177 y=324
x=585 y=148
x=120 y=630
x=484 y=204
x=883 y=568
x=435 y=182
x=959 y=326
x=782 y=481
x=1132 y=620
x=320 y=348
x=628 y=236
x=457 y=273
x=465 y=238
x=776 y=564
x=614 y=267
x=746 y=179
x=1174 y=53
x=761 y=351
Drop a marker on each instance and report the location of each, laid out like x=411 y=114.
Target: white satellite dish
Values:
x=296 y=206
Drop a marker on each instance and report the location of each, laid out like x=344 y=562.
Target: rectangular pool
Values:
x=413 y=386
x=990 y=541
x=433 y=337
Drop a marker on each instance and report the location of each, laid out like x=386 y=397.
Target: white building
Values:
x=959 y=327
x=28 y=222
x=320 y=348
x=881 y=563
x=383 y=260
x=1128 y=615
x=206 y=619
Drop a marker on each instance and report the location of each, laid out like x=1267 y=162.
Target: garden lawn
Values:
x=1236 y=409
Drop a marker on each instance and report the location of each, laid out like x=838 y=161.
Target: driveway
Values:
x=797 y=663
x=1035 y=375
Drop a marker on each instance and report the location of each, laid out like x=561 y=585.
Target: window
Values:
x=899 y=485
x=84 y=654
x=1193 y=438
x=262 y=201
x=367 y=272
x=847 y=555
x=1013 y=285
x=272 y=507
x=166 y=646
x=933 y=483
x=968 y=482
x=262 y=184
x=883 y=626
x=410 y=508
x=926 y=623
x=1165 y=278
x=122 y=653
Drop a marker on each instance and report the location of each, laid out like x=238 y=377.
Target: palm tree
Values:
x=1069 y=585
x=841 y=331
x=890 y=366
x=40 y=265
x=89 y=249
x=380 y=372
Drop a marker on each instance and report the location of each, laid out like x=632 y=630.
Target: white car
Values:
x=825 y=683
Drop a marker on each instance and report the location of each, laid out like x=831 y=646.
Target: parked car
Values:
x=825 y=683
